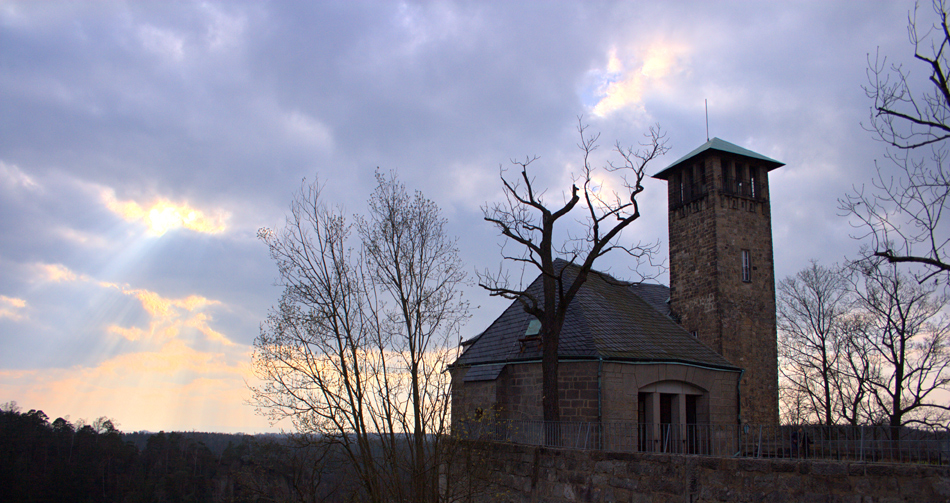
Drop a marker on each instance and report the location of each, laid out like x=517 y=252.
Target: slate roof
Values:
x=608 y=318
x=722 y=146
x=658 y=296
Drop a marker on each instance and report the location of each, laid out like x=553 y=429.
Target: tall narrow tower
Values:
x=722 y=284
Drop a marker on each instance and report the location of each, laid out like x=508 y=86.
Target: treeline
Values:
x=60 y=461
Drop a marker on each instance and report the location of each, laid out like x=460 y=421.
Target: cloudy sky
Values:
x=142 y=144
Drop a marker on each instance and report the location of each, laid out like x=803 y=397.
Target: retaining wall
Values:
x=520 y=473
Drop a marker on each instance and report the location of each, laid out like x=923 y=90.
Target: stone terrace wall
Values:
x=519 y=473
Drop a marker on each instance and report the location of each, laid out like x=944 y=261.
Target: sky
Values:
x=143 y=144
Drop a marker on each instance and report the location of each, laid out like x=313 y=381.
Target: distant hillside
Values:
x=215 y=442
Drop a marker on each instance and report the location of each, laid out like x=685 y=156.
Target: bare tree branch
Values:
x=525 y=219
x=902 y=217
x=907 y=335
x=356 y=348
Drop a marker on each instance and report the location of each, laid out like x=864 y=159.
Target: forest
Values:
x=95 y=462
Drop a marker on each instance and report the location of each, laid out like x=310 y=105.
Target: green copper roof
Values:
x=722 y=146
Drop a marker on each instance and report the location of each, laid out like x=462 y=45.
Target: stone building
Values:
x=702 y=352
x=722 y=281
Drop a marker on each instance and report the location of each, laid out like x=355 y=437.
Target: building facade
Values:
x=624 y=364
x=701 y=352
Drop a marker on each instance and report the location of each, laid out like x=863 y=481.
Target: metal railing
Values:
x=845 y=443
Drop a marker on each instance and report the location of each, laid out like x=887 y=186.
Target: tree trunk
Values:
x=549 y=400
x=549 y=368
x=418 y=475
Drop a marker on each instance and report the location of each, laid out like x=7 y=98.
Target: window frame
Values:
x=746 y=266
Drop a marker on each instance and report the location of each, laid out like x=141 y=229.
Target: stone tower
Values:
x=722 y=285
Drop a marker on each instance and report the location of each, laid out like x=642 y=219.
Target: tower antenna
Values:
x=707 y=118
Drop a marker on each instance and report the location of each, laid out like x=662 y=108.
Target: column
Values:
x=681 y=406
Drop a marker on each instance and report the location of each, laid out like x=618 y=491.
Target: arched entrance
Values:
x=670 y=415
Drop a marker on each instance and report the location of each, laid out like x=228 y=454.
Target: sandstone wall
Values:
x=521 y=474
x=516 y=393
x=471 y=397
x=622 y=382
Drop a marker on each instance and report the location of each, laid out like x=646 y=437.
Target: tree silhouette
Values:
x=529 y=221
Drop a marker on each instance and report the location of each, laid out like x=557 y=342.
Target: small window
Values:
x=676 y=191
x=534 y=327
x=746 y=266
x=687 y=185
x=731 y=182
x=740 y=180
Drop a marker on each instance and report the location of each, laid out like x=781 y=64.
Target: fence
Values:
x=849 y=443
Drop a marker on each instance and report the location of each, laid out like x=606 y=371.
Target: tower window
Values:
x=746 y=266
x=677 y=191
x=687 y=185
x=701 y=178
x=728 y=178
x=684 y=188
x=740 y=180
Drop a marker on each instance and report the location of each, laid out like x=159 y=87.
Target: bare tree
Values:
x=814 y=314
x=411 y=262
x=355 y=350
x=857 y=366
x=902 y=215
x=794 y=406
x=906 y=338
x=529 y=220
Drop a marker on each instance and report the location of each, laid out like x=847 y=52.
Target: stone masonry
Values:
x=523 y=474
x=719 y=211
x=516 y=393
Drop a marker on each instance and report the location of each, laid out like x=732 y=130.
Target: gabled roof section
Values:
x=721 y=146
x=608 y=319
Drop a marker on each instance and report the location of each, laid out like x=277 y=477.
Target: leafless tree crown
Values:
x=906 y=334
x=901 y=216
x=529 y=223
x=822 y=372
x=355 y=351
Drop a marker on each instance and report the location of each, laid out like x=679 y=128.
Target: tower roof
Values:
x=721 y=146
